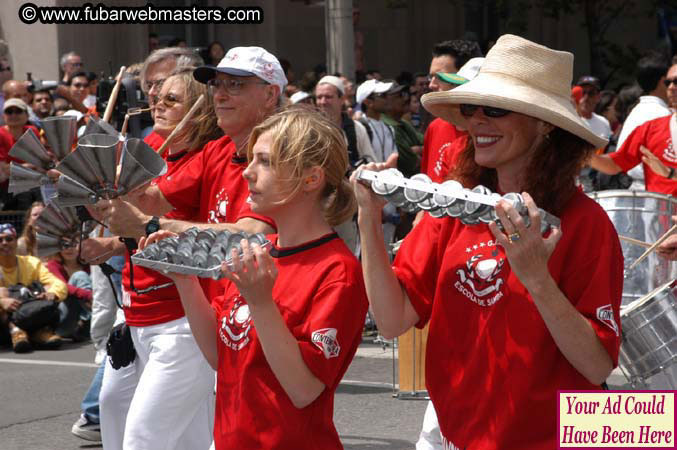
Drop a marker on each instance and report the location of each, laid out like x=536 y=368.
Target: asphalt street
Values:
x=40 y=396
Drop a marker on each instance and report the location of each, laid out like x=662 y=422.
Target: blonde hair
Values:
x=304 y=138
x=202 y=127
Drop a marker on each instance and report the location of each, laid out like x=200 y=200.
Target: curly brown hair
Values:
x=552 y=169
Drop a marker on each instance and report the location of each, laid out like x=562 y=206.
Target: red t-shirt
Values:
x=492 y=367
x=159 y=305
x=320 y=293
x=439 y=136
x=654 y=135
x=211 y=189
x=7 y=141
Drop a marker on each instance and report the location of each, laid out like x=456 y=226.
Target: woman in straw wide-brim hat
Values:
x=514 y=315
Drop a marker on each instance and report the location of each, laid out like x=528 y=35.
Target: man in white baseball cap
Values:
x=328 y=94
x=246 y=62
x=245 y=88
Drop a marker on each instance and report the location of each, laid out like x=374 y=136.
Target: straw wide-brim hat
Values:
x=520 y=76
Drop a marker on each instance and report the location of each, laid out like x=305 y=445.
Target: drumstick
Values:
x=181 y=124
x=113 y=96
x=634 y=241
x=653 y=246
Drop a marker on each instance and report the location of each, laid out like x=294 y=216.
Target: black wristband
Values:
x=671 y=173
x=153 y=225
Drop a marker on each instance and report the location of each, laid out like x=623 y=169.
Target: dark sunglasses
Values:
x=489 y=111
x=668 y=81
x=591 y=92
x=11 y=111
x=7 y=239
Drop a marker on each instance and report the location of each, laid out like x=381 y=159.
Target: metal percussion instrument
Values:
x=449 y=198
x=649 y=340
x=644 y=216
x=196 y=252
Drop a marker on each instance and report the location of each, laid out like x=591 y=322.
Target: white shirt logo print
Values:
x=325 y=340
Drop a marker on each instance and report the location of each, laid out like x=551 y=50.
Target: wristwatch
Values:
x=153 y=225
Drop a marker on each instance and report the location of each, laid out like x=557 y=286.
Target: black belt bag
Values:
x=120 y=347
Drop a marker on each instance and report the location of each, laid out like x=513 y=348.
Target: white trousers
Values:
x=165 y=399
x=430 y=437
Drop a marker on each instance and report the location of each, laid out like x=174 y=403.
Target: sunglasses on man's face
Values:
x=669 y=81
x=591 y=92
x=11 y=111
x=489 y=111
x=7 y=239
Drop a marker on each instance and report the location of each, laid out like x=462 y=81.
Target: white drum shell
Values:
x=649 y=343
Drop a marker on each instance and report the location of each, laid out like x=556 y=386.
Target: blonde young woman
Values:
x=285 y=330
x=514 y=315
x=164 y=399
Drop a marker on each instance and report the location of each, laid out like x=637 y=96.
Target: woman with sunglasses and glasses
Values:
x=514 y=314
x=164 y=399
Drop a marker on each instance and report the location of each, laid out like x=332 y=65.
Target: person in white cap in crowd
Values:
x=448 y=57
x=371 y=97
x=515 y=315
x=408 y=140
x=301 y=97
x=329 y=99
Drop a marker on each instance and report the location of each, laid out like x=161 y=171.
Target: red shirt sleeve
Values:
x=337 y=316
x=628 y=156
x=592 y=272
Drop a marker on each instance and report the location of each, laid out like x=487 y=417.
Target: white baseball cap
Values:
x=246 y=62
x=371 y=87
x=298 y=96
x=334 y=81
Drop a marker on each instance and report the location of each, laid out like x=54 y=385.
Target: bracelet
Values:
x=671 y=173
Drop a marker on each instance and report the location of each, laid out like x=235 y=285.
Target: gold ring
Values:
x=514 y=237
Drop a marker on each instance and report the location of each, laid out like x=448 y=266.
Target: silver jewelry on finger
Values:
x=514 y=237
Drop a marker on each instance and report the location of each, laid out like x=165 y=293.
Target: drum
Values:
x=411 y=355
x=644 y=216
x=649 y=342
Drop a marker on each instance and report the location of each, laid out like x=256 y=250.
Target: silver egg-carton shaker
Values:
x=196 y=252
x=450 y=198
